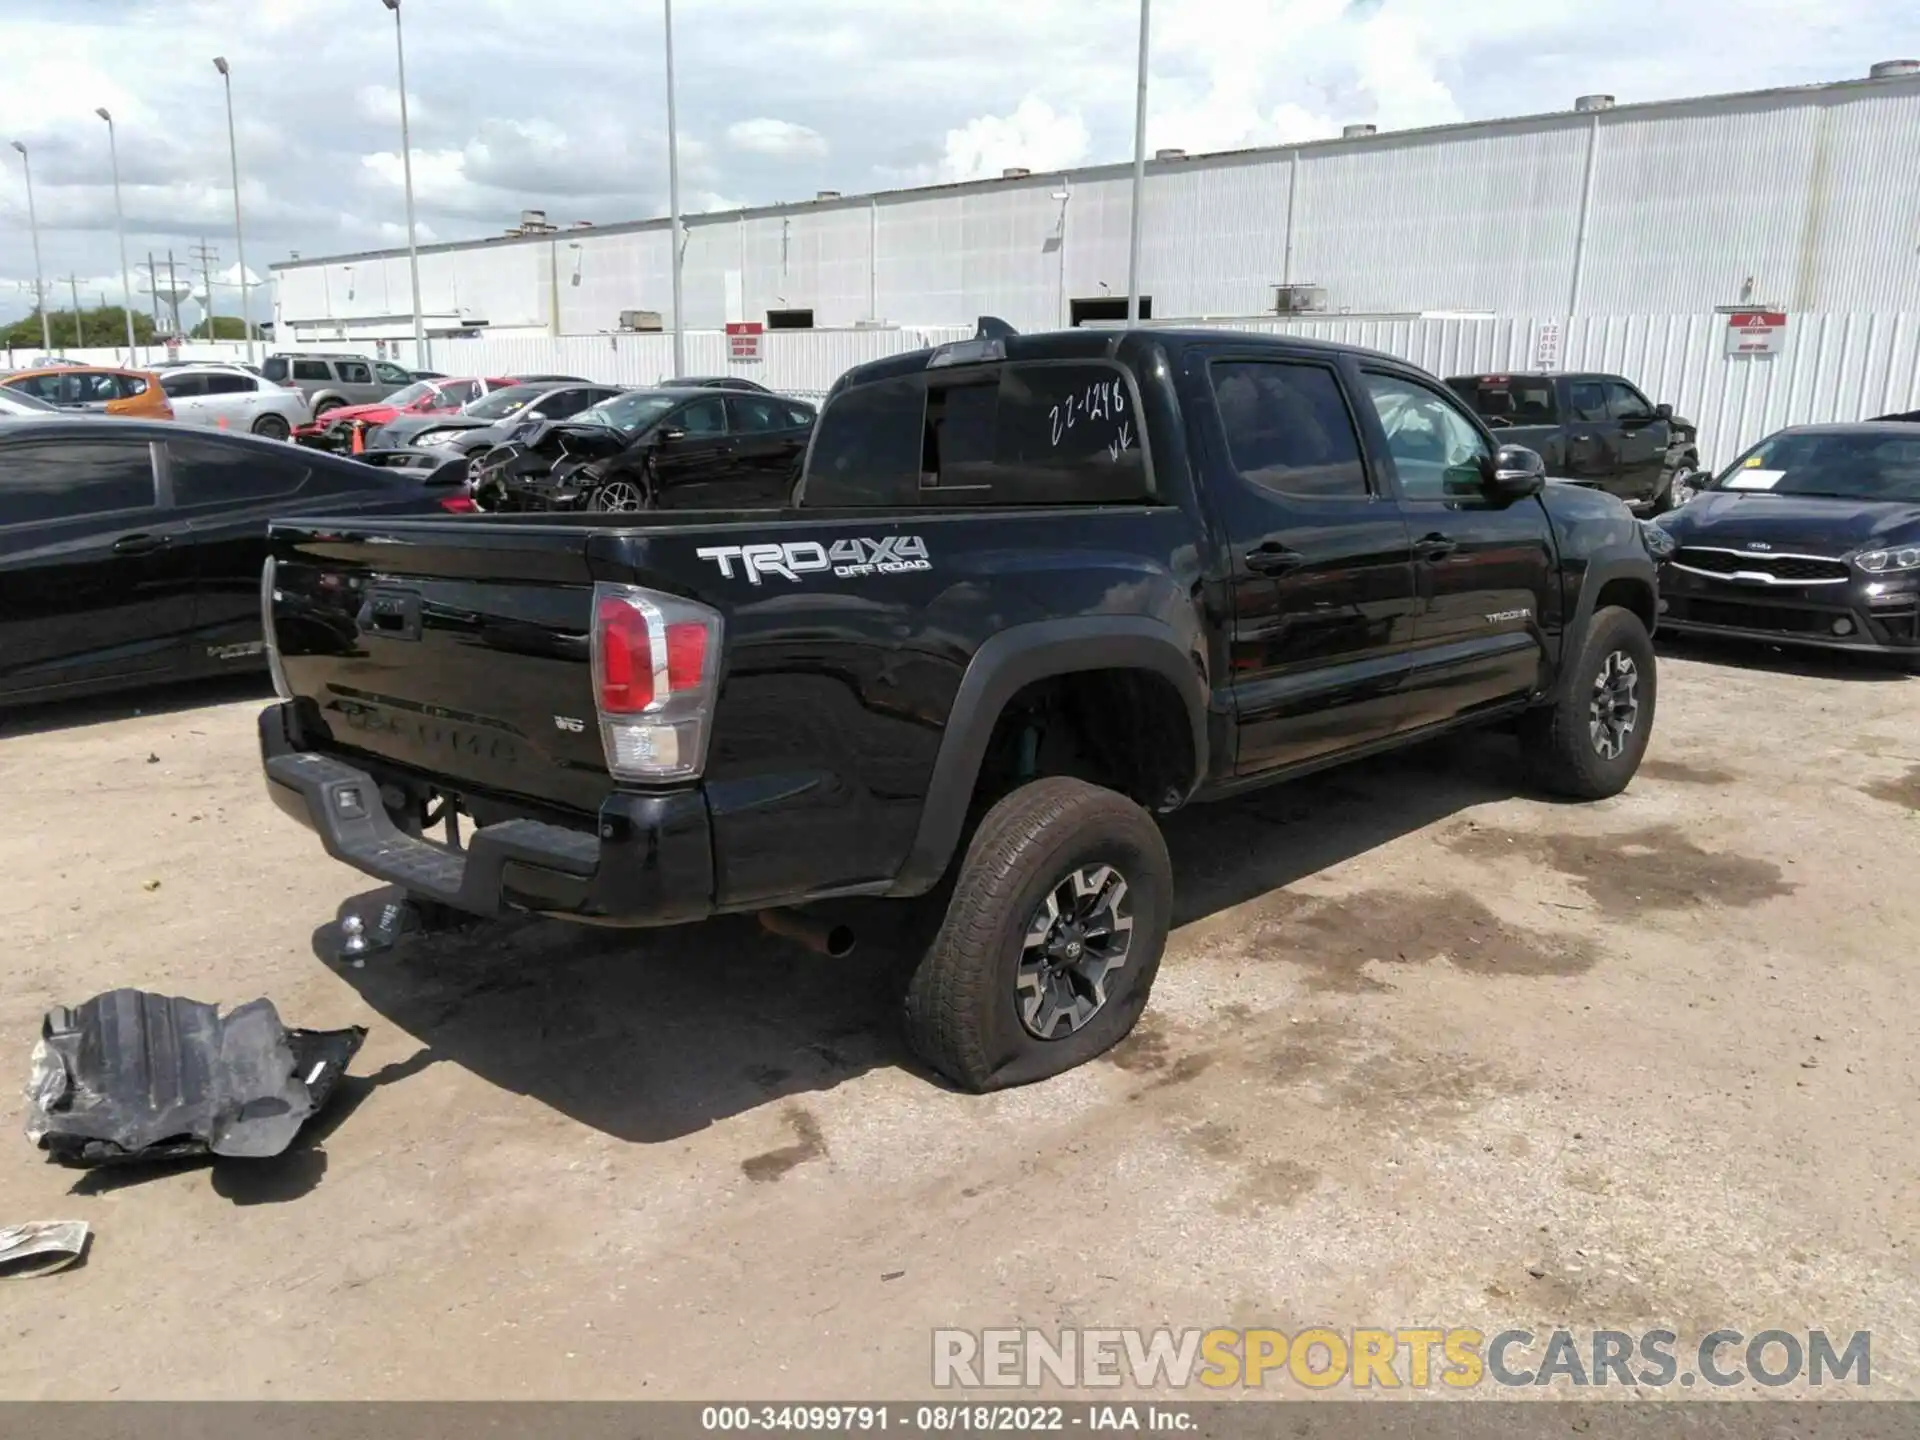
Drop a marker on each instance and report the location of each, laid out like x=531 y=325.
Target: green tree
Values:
x=225 y=327
x=104 y=325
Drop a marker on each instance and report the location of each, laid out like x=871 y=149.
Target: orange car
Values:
x=134 y=394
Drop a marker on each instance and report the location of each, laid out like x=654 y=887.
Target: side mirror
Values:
x=1663 y=412
x=1515 y=473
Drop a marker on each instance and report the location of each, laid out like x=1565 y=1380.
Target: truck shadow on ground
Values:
x=648 y=1036
x=168 y=699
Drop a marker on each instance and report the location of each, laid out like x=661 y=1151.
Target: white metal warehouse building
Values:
x=1804 y=200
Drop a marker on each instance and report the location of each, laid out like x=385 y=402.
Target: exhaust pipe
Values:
x=836 y=942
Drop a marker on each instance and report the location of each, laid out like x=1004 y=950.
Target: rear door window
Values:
x=183 y=387
x=223 y=383
x=74 y=479
x=211 y=474
x=1288 y=428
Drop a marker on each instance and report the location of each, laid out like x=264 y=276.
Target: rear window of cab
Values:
x=1023 y=433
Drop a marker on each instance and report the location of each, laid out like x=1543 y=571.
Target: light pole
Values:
x=673 y=202
x=120 y=224
x=1139 y=175
x=39 y=286
x=239 y=244
x=406 y=166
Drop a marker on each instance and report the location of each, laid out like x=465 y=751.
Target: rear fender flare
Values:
x=999 y=670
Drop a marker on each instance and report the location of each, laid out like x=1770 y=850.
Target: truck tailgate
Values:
x=457 y=648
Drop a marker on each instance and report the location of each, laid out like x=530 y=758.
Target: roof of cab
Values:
x=1110 y=343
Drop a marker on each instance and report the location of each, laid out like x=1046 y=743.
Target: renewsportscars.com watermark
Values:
x=1418 y=1358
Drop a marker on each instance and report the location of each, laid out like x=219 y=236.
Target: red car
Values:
x=348 y=427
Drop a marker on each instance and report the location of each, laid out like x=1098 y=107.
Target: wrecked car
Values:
x=652 y=450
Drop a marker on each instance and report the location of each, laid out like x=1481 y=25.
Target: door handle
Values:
x=1434 y=547
x=138 y=544
x=1273 y=558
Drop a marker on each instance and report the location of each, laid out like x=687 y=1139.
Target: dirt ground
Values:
x=1424 y=1050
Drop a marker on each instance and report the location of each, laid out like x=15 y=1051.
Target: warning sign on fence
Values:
x=1756 y=332
x=744 y=339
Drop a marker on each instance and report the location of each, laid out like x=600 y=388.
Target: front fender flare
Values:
x=999 y=670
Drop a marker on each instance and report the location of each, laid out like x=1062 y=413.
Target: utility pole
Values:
x=1139 y=172
x=79 y=332
x=173 y=293
x=153 y=289
x=206 y=255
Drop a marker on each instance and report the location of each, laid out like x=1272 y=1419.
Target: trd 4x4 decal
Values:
x=849 y=559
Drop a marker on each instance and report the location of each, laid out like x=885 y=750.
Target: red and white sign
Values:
x=1756 y=332
x=743 y=339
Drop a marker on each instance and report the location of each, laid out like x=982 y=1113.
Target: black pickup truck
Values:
x=1032 y=591
x=1593 y=429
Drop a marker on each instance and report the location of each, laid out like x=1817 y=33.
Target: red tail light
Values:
x=459 y=504
x=655 y=671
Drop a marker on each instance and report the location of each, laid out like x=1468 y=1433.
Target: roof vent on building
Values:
x=1893 y=69
x=1171 y=152
x=1015 y=172
x=1354 y=132
x=826 y=194
x=1588 y=103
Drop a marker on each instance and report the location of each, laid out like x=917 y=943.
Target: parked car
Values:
x=130 y=553
x=713 y=382
x=104 y=389
x=346 y=427
x=469 y=434
x=1035 y=590
x=330 y=381
x=1810 y=538
x=1593 y=429
x=652 y=449
x=225 y=397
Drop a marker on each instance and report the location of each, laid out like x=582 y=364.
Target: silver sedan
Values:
x=227 y=397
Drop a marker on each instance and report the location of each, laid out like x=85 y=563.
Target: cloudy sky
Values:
x=561 y=106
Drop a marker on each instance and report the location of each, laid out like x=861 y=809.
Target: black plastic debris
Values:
x=134 y=1076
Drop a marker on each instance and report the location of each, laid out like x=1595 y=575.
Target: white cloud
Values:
x=778 y=138
x=381 y=104
x=791 y=92
x=1033 y=135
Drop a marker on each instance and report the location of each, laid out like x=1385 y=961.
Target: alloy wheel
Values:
x=1614 y=710
x=1077 y=938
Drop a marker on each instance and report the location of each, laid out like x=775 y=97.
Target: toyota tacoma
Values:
x=1030 y=592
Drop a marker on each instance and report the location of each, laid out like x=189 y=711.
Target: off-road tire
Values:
x=1556 y=739
x=962 y=1004
x=272 y=427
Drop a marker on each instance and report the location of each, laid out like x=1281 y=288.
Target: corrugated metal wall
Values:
x=1808 y=200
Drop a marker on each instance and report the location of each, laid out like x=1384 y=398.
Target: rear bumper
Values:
x=650 y=862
